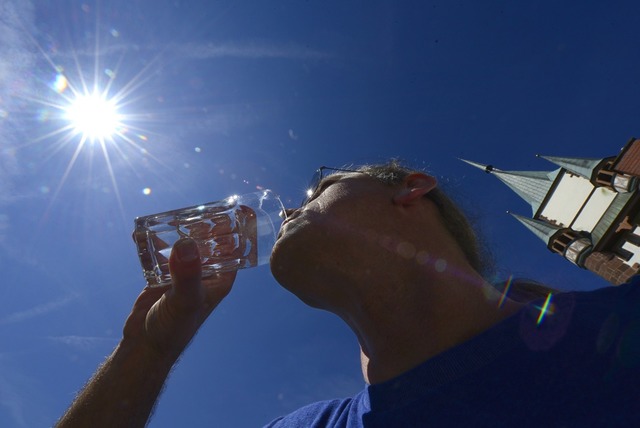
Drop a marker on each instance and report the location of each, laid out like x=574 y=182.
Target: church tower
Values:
x=586 y=210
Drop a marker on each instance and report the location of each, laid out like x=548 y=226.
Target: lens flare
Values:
x=545 y=309
x=505 y=292
x=60 y=84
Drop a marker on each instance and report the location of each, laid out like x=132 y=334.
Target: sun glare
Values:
x=94 y=116
x=90 y=110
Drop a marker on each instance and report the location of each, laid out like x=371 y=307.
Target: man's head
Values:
x=385 y=222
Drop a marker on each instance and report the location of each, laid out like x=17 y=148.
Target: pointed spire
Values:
x=485 y=168
x=532 y=186
x=580 y=166
x=541 y=229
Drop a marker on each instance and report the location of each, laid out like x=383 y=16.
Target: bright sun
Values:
x=94 y=116
x=84 y=117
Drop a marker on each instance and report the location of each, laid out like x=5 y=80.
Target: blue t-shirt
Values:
x=577 y=366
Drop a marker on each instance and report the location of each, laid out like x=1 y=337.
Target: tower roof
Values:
x=580 y=166
x=532 y=186
x=541 y=229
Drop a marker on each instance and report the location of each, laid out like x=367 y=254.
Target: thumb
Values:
x=175 y=317
x=186 y=272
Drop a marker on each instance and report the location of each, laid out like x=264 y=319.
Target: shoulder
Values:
x=579 y=323
x=630 y=290
x=622 y=299
x=619 y=301
x=334 y=413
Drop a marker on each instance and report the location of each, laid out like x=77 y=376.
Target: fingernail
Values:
x=186 y=250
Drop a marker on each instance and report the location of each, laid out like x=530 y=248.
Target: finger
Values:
x=217 y=287
x=135 y=322
x=148 y=297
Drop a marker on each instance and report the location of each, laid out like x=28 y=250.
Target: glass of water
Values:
x=235 y=233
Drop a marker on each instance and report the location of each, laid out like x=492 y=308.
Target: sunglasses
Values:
x=318 y=176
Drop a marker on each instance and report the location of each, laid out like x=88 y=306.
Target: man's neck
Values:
x=400 y=331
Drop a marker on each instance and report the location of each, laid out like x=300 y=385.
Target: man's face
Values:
x=329 y=238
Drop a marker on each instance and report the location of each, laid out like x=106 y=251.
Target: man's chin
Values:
x=280 y=262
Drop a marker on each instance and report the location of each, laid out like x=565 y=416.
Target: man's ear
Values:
x=414 y=186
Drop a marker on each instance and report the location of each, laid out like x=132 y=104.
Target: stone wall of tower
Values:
x=610 y=267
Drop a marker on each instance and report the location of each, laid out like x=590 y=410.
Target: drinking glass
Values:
x=235 y=233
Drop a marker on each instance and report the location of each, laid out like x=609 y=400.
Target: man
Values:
x=383 y=248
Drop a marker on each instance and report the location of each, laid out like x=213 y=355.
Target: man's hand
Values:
x=166 y=318
x=162 y=323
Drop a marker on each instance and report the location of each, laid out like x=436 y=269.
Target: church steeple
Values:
x=532 y=186
x=541 y=229
x=587 y=211
x=583 y=167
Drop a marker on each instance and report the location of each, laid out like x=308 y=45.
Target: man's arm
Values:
x=161 y=324
x=122 y=392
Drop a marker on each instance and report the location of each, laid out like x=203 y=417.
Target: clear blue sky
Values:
x=219 y=97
